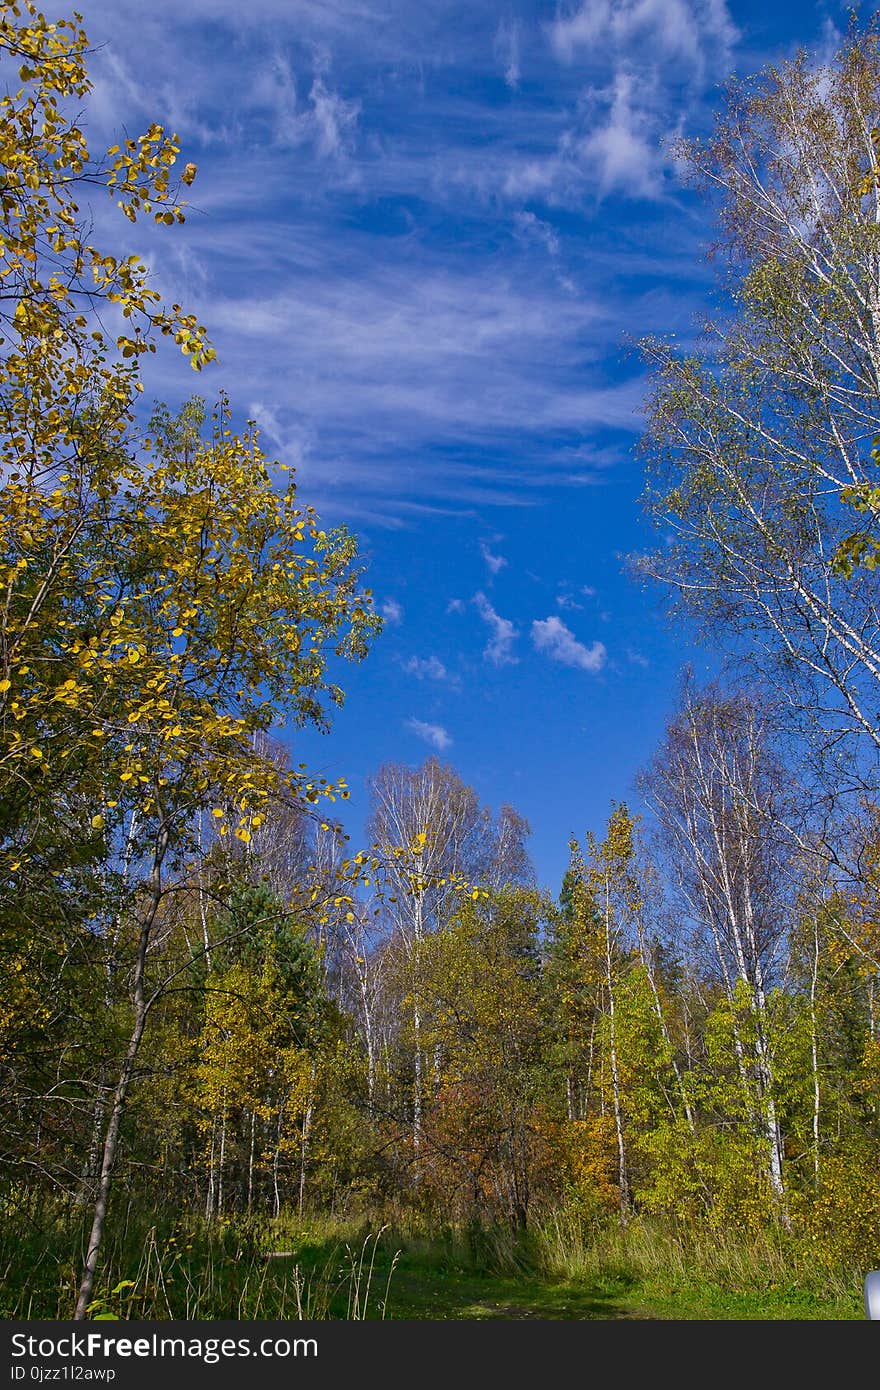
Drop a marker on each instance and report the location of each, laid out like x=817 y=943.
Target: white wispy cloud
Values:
x=346 y=363
x=426 y=668
x=566 y=601
x=530 y=227
x=392 y=612
x=494 y=563
x=645 y=62
x=434 y=734
x=274 y=92
x=551 y=637
x=331 y=148
x=327 y=120
x=335 y=119
x=506 y=48
x=294 y=442
x=697 y=32
x=623 y=151
x=504 y=634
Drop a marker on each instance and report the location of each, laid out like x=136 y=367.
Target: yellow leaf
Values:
x=97 y=822
x=217 y=812
x=5 y=684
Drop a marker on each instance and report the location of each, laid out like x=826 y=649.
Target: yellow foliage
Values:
x=588 y=1150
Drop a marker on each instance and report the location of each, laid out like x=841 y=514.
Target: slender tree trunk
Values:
x=591 y=1061
x=250 y=1188
x=615 y=1075
x=814 y=1048
x=222 y=1158
x=120 y=1095
x=367 y=1011
x=211 y=1199
x=203 y=912
x=417 y=1046
x=765 y=1066
x=91 y=1165
x=276 y=1160
x=417 y=1094
x=371 y=1068
x=664 y=1032
x=306 y=1131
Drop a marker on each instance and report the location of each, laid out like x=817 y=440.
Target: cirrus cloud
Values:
x=426 y=668
x=434 y=734
x=504 y=634
x=558 y=642
x=392 y=611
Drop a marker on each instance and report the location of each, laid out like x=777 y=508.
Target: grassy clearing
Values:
x=322 y=1269
x=700 y=1274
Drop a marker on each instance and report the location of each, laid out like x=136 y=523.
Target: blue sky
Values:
x=423 y=238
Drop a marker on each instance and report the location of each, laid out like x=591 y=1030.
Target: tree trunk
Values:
x=222 y=1158
x=417 y=1093
x=91 y=1165
x=814 y=1050
x=120 y=1095
x=276 y=1161
x=211 y=1199
x=250 y=1189
x=615 y=1076
x=306 y=1131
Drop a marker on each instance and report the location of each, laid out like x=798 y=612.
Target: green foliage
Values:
x=159 y=1267
x=196 y=990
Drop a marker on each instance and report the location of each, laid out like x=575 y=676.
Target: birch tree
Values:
x=714 y=791
x=431 y=833
x=759 y=439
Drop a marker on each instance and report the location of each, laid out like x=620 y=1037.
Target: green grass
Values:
x=167 y=1267
x=697 y=1274
x=643 y=1273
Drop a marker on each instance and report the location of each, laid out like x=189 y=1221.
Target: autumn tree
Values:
x=431 y=833
x=228 y=596
x=482 y=1029
x=165 y=601
x=717 y=795
x=67 y=391
x=759 y=442
x=266 y=1023
x=572 y=991
x=602 y=893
